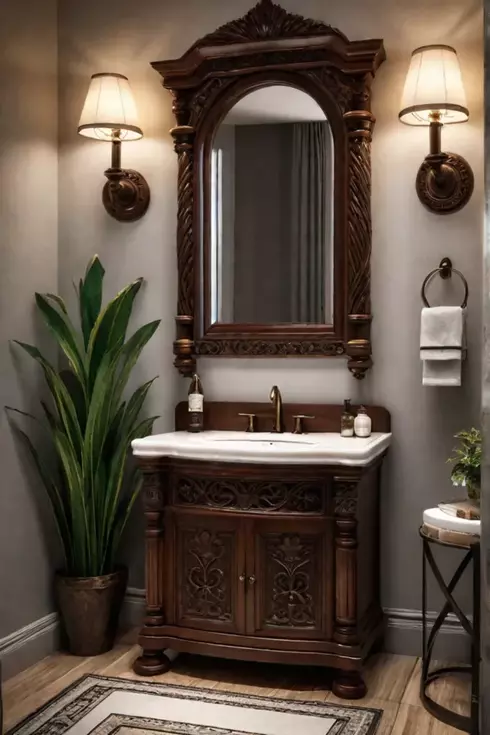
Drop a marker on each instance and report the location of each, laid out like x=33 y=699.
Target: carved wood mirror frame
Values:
x=269 y=45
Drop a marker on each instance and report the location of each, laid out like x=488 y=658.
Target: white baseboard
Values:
x=404 y=635
x=133 y=610
x=26 y=646
x=35 y=641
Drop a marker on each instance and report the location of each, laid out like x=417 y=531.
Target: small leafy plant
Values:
x=467 y=462
x=90 y=424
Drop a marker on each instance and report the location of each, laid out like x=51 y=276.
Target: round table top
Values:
x=450 y=530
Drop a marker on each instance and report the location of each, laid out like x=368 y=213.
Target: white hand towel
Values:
x=442 y=343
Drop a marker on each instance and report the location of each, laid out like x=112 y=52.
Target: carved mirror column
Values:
x=270 y=49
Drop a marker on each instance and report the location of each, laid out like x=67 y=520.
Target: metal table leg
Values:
x=466 y=724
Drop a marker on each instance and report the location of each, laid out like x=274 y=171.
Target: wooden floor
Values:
x=392 y=682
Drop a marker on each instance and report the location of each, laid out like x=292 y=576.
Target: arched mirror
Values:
x=273 y=136
x=272 y=169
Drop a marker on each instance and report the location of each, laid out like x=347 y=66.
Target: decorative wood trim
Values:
x=154 y=505
x=345 y=500
x=269 y=45
x=262 y=496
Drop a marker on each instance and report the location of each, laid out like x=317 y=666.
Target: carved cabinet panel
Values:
x=209 y=563
x=291 y=561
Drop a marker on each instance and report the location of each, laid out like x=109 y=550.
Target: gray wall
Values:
x=122 y=36
x=28 y=248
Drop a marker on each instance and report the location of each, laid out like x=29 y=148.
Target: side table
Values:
x=469 y=543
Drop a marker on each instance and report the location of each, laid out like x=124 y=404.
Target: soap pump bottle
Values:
x=362 y=423
x=347 y=420
x=196 y=405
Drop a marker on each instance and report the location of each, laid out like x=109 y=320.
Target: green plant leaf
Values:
x=131 y=352
x=109 y=331
x=90 y=297
x=65 y=334
x=64 y=404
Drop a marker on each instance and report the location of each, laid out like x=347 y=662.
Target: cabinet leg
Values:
x=349 y=685
x=152 y=663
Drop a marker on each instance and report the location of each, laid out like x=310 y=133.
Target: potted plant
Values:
x=466 y=461
x=91 y=425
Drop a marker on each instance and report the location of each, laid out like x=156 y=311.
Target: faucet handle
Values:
x=251 y=421
x=298 y=423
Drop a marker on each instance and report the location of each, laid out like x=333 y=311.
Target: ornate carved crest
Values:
x=265 y=22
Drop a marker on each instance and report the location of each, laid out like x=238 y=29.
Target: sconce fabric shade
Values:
x=109 y=112
x=434 y=84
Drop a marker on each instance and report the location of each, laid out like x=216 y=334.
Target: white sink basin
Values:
x=239 y=446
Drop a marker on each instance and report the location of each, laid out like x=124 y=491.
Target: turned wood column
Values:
x=345 y=494
x=153 y=498
x=183 y=134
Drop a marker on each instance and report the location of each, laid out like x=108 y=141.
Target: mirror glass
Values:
x=272 y=164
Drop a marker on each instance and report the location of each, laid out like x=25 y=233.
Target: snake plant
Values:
x=89 y=421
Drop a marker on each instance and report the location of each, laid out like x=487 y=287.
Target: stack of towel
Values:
x=442 y=345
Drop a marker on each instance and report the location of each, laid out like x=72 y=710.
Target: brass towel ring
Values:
x=445 y=270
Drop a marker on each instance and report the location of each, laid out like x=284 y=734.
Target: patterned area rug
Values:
x=97 y=705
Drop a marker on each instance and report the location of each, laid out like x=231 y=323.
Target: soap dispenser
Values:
x=347 y=420
x=362 y=423
x=196 y=405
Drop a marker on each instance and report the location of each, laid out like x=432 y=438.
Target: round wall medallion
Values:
x=444 y=183
x=126 y=195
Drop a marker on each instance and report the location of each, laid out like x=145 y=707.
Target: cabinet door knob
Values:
x=252 y=579
x=242 y=578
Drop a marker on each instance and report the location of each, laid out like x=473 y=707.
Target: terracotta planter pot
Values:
x=90 y=608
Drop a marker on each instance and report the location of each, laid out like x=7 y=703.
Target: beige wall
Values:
x=28 y=252
x=123 y=36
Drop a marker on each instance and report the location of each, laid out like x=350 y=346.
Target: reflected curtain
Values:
x=309 y=229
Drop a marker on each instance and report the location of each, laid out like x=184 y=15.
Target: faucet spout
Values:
x=276 y=398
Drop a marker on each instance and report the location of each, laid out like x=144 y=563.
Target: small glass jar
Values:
x=362 y=423
x=347 y=420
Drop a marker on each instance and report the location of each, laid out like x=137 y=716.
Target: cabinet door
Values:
x=289 y=579
x=209 y=572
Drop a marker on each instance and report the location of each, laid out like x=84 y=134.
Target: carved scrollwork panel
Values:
x=266 y=496
x=153 y=493
x=345 y=495
x=206 y=571
x=290 y=598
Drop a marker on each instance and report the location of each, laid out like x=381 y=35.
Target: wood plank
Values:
x=416 y=721
x=38 y=685
x=453 y=691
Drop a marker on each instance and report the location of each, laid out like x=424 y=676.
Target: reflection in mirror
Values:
x=272 y=211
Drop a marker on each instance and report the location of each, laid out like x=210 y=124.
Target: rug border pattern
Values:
x=93 y=683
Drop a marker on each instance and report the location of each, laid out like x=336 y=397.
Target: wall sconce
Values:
x=434 y=95
x=109 y=114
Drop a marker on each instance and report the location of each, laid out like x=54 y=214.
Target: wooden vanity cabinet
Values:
x=273 y=563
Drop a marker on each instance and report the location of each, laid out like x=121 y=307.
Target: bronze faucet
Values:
x=276 y=398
